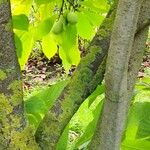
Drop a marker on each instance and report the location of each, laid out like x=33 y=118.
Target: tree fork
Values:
x=14 y=133
x=111 y=125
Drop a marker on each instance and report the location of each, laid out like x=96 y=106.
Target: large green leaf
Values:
x=84 y=27
x=43 y=28
x=100 y=6
x=62 y=144
x=98 y=91
x=135 y=145
x=21 y=7
x=45 y=11
x=39 y=2
x=91 y=127
x=137 y=135
x=39 y=102
x=69 y=51
x=49 y=46
x=24 y=43
x=96 y=18
x=86 y=125
x=20 y=22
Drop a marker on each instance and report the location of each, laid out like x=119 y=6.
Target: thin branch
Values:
x=61 y=8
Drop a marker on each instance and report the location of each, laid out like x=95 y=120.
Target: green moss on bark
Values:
x=11 y=135
x=15 y=134
x=88 y=75
x=17 y=96
x=3 y=75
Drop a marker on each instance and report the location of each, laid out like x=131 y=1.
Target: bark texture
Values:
x=126 y=46
x=86 y=78
x=136 y=55
x=13 y=131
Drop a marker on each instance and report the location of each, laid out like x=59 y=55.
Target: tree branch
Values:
x=82 y=83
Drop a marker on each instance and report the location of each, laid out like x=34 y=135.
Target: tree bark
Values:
x=88 y=75
x=126 y=46
x=14 y=133
x=136 y=55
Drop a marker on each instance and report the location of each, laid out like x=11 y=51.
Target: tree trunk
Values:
x=126 y=46
x=136 y=55
x=88 y=75
x=14 y=133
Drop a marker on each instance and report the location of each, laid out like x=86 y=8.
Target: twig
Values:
x=61 y=9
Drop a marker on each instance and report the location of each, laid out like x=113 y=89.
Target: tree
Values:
x=71 y=92
x=124 y=59
x=14 y=130
x=89 y=74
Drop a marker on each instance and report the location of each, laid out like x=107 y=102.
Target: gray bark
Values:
x=136 y=55
x=120 y=75
x=14 y=133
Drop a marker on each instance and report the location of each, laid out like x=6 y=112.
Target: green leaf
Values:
x=24 y=49
x=63 y=141
x=98 y=91
x=135 y=145
x=100 y=6
x=38 y=103
x=35 y=105
x=20 y=22
x=84 y=126
x=90 y=129
x=96 y=18
x=49 y=46
x=65 y=60
x=139 y=118
x=84 y=27
x=69 y=52
x=32 y=119
x=21 y=7
x=46 y=11
x=40 y=2
x=43 y=28
x=18 y=44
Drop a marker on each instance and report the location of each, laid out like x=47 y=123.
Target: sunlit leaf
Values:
x=49 y=46
x=84 y=27
x=24 y=49
x=20 y=22
x=39 y=2
x=43 y=28
x=21 y=7
x=39 y=102
x=68 y=46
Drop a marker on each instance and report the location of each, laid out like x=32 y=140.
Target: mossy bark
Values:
x=124 y=59
x=14 y=133
x=88 y=75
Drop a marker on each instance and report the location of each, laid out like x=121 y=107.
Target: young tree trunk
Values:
x=124 y=59
x=14 y=133
x=88 y=75
x=136 y=54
